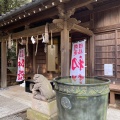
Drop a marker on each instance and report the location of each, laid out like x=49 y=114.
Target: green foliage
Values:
x=7 y=5
x=11 y=56
x=12 y=52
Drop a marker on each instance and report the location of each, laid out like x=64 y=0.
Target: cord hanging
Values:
x=51 y=40
x=27 y=47
x=36 y=45
x=16 y=47
x=46 y=35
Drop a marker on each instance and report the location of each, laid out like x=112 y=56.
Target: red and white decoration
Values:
x=77 y=70
x=21 y=65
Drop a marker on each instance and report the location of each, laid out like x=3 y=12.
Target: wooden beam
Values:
x=107 y=28
x=85 y=24
x=82 y=30
x=89 y=6
x=78 y=3
x=40 y=30
x=33 y=32
x=3 y=65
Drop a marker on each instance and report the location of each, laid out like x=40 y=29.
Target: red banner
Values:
x=77 y=71
x=21 y=65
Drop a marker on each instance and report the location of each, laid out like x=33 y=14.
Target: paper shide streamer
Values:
x=36 y=45
x=46 y=34
x=10 y=41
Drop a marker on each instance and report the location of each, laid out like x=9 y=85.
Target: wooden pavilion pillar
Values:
x=65 y=53
x=65 y=23
x=3 y=65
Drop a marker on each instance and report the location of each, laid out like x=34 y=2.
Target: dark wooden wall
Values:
x=41 y=62
x=41 y=59
x=29 y=60
x=105 y=51
x=107 y=18
x=107 y=41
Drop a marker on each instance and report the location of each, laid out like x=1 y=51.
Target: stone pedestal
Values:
x=35 y=115
x=48 y=108
x=42 y=110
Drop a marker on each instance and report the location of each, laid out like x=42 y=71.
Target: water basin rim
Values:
x=107 y=82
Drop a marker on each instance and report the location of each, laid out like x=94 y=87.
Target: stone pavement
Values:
x=18 y=94
x=113 y=114
x=8 y=107
x=14 y=100
x=20 y=116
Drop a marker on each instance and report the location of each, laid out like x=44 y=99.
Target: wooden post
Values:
x=65 y=23
x=92 y=55
x=65 y=50
x=112 y=98
x=116 y=53
x=3 y=65
x=92 y=47
x=34 y=61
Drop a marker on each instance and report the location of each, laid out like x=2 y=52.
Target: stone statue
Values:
x=42 y=89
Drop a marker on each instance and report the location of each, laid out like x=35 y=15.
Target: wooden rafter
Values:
x=85 y=24
x=89 y=6
x=82 y=30
x=78 y=3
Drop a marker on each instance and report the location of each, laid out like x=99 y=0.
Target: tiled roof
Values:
x=21 y=8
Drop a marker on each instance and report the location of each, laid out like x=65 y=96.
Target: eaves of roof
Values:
x=21 y=8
